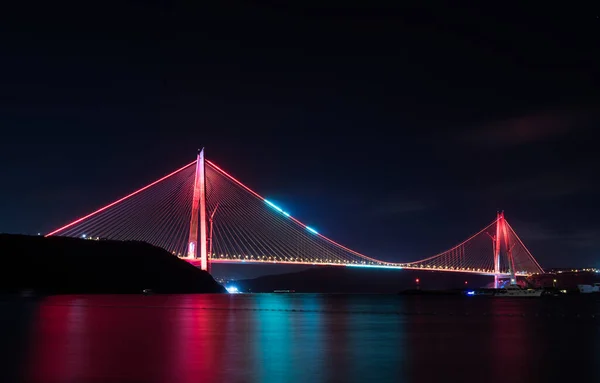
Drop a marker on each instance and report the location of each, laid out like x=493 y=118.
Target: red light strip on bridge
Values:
x=292 y=218
x=455 y=247
x=234 y=179
x=119 y=200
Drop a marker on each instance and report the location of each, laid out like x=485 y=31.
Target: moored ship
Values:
x=508 y=292
x=587 y=289
x=516 y=291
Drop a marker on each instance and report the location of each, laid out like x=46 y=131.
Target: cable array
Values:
x=248 y=228
x=473 y=255
x=245 y=227
x=158 y=213
x=476 y=254
x=524 y=261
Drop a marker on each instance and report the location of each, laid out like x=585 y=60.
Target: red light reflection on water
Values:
x=119 y=340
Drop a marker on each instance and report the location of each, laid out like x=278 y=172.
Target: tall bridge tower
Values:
x=503 y=250
x=199 y=215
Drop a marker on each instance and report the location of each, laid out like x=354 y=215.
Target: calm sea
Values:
x=299 y=338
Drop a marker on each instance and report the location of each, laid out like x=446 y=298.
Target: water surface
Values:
x=299 y=338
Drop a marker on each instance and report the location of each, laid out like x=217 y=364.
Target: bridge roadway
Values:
x=397 y=266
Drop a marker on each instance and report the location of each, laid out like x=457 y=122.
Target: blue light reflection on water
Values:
x=298 y=338
x=289 y=338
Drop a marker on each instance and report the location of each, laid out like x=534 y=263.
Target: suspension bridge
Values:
x=204 y=215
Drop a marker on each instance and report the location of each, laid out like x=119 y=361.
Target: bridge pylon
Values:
x=503 y=247
x=198 y=215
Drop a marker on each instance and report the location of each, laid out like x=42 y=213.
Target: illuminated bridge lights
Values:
x=311 y=230
x=276 y=207
x=290 y=236
x=375 y=266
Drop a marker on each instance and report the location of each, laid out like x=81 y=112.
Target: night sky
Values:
x=398 y=131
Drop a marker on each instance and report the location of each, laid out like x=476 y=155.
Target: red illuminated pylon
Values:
x=502 y=241
x=198 y=215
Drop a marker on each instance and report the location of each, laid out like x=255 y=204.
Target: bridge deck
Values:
x=196 y=262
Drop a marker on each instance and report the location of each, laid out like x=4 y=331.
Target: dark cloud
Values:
x=530 y=128
x=547 y=185
x=588 y=238
x=584 y=238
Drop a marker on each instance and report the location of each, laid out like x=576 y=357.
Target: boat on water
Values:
x=516 y=291
x=587 y=289
x=508 y=292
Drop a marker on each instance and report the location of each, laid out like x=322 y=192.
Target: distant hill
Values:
x=361 y=280
x=565 y=279
x=60 y=265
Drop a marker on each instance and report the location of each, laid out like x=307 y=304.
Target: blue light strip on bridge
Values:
x=311 y=230
x=276 y=207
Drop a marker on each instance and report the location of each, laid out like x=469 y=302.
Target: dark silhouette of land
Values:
x=372 y=280
x=362 y=280
x=59 y=265
x=564 y=280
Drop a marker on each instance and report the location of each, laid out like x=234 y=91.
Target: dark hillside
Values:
x=361 y=280
x=59 y=265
